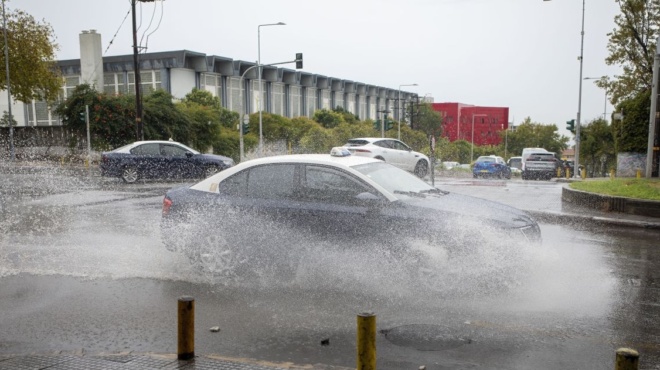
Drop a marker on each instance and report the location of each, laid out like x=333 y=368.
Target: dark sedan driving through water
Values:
x=155 y=159
x=263 y=210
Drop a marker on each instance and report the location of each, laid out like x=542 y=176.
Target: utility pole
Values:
x=136 y=68
x=12 y=154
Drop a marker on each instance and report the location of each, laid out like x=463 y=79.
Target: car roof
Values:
x=371 y=139
x=322 y=159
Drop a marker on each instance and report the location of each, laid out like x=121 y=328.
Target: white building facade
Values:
x=286 y=92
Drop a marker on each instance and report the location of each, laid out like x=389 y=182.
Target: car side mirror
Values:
x=368 y=199
x=189 y=154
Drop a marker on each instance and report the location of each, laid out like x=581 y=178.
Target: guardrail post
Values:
x=366 y=341
x=186 y=328
x=626 y=359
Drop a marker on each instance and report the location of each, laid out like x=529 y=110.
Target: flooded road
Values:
x=82 y=268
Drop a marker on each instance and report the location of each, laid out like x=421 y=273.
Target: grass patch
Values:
x=621 y=187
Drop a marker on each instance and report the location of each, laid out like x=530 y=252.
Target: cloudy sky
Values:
x=521 y=54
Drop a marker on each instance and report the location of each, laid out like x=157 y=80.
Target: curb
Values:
x=566 y=218
x=606 y=203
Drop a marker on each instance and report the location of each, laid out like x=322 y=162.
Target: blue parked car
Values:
x=491 y=166
x=155 y=159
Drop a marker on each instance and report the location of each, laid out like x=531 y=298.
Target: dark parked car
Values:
x=270 y=209
x=160 y=160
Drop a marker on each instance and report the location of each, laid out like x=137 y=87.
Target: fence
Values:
x=42 y=143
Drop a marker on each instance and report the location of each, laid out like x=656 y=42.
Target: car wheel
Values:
x=421 y=169
x=218 y=259
x=210 y=170
x=129 y=174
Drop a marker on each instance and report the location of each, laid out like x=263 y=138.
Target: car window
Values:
x=399 y=145
x=235 y=185
x=355 y=142
x=329 y=185
x=383 y=143
x=272 y=181
x=169 y=150
x=146 y=149
x=547 y=157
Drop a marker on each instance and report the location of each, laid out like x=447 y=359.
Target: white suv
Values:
x=392 y=151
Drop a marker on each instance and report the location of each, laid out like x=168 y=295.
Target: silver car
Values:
x=392 y=151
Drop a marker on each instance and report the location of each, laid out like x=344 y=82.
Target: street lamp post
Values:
x=604 y=78
x=244 y=119
x=472 y=146
x=261 y=92
x=579 y=112
x=400 y=108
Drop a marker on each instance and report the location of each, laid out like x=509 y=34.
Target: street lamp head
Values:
x=272 y=24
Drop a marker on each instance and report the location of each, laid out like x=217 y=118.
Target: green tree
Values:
x=111 y=119
x=348 y=116
x=32 y=69
x=428 y=121
x=163 y=121
x=328 y=118
x=535 y=135
x=632 y=46
x=631 y=133
x=597 y=147
x=203 y=98
x=317 y=140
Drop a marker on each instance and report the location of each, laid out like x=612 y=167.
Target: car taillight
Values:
x=167 y=203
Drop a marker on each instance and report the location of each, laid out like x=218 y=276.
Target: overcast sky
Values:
x=521 y=54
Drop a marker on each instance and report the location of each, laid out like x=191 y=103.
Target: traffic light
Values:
x=82 y=116
x=246 y=128
x=377 y=125
x=299 y=61
x=570 y=125
x=389 y=124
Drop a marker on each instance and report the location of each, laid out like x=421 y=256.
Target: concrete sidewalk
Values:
x=147 y=361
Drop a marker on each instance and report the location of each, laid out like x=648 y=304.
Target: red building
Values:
x=458 y=120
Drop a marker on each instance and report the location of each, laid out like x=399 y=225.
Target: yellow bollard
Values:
x=86 y=162
x=558 y=172
x=568 y=173
x=626 y=359
x=186 y=328
x=639 y=173
x=366 y=341
x=583 y=173
x=612 y=174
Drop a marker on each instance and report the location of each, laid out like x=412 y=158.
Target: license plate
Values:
x=483 y=171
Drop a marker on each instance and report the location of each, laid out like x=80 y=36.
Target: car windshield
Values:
x=394 y=179
x=541 y=157
x=485 y=159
